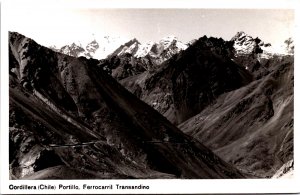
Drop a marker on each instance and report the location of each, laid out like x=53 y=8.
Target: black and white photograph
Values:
x=150 y=93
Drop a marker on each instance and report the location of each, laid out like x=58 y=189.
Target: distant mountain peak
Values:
x=246 y=44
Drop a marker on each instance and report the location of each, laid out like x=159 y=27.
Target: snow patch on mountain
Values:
x=108 y=45
x=144 y=49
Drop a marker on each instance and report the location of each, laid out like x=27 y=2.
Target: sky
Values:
x=63 y=26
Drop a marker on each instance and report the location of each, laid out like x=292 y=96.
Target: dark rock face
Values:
x=201 y=74
x=252 y=127
x=68 y=109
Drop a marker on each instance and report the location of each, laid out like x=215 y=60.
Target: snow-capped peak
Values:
x=129 y=47
x=246 y=44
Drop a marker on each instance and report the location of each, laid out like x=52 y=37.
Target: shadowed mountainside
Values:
x=68 y=117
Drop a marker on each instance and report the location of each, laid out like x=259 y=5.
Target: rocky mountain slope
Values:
x=71 y=120
x=234 y=96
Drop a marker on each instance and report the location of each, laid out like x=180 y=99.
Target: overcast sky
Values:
x=61 y=26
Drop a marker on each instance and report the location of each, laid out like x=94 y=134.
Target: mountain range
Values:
x=108 y=46
x=96 y=47
x=208 y=109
